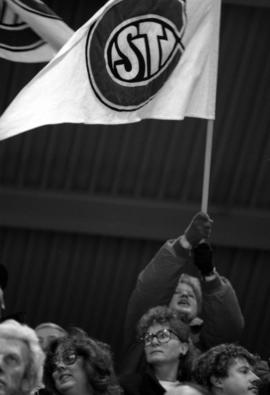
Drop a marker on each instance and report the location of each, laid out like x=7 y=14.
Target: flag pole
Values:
x=209 y=135
x=207 y=164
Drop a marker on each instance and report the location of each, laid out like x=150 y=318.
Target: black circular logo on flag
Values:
x=132 y=49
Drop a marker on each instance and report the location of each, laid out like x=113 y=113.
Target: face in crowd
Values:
x=240 y=380
x=14 y=359
x=227 y=369
x=47 y=332
x=68 y=371
x=162 y=345
x=79 y=365
x=184 y=301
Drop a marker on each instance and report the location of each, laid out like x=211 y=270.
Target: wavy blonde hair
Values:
x=11 y=329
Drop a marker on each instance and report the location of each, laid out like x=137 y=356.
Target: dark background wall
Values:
x=84 y=208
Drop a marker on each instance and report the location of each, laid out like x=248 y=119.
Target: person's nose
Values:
x=60 y=365
x=1 y=363
x=254 y=379
x=154 y=340
x=184 y=293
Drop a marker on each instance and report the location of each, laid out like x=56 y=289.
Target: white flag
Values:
x=134 y=59
x=30 y=31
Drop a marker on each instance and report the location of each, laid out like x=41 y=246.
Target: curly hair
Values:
x=216 y=362
x=164 y=315
x=97 y=362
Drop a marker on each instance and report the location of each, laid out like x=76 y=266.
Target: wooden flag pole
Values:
x=207 y=164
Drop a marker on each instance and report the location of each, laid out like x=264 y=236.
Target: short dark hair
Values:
x=216 y=362
x=97 y=362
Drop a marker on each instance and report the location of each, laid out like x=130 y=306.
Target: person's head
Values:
x=188 y=389
x=21 y=359
x=47 y=332
x=227 y=369
x=165 y=337
x=187 y=297
x=78 y=364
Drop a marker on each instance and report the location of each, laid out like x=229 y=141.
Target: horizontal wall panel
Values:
x=143 y=219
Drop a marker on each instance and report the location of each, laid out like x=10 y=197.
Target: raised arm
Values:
x=157 y=282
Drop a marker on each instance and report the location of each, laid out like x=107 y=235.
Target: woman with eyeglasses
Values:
x=168 y=354
x=79 y=365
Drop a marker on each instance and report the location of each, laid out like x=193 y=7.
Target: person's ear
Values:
x=216 y=382
x=183 y=348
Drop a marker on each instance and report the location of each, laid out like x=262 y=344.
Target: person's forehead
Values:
x=181 y=286
x=67 y=346
x=9 y=345
x=240 y=362
x=48 y=331
x=156 y=327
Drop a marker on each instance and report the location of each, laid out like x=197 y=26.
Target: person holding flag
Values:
x=207 y=302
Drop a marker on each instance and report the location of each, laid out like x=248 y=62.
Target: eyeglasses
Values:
x=68 y=357
x=163 y=336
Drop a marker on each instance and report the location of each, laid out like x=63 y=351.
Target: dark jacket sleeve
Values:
x=141 y=383
x=222 y=316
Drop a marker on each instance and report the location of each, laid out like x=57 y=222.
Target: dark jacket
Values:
x=3 y=276
x=221 y=318
x=265 y=389
x=144 y=383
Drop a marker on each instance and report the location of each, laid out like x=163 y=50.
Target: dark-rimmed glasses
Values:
x=68 y=357
x=163 y=336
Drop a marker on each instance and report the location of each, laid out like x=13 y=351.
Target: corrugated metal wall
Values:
x=85 y=280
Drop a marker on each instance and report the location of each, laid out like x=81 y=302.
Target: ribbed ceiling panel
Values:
x=241 y=148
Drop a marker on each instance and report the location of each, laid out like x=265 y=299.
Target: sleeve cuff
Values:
x=212 y=285
x=179 y=249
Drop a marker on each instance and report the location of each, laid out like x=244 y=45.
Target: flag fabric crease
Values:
x=30 y=32
x=134 y=59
